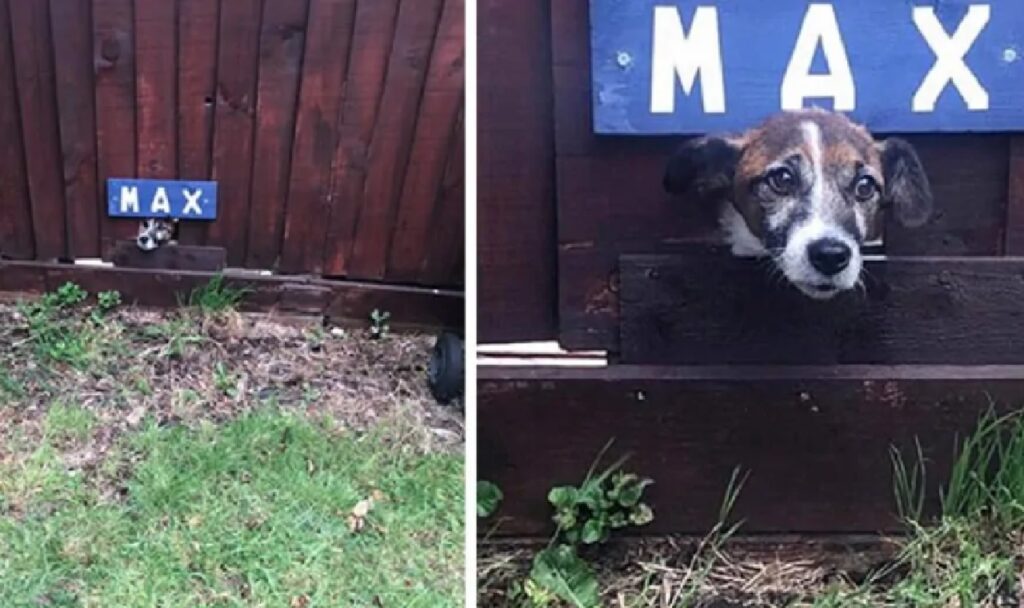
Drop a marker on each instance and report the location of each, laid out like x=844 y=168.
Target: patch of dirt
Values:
x=179 y=367
x=655 y=572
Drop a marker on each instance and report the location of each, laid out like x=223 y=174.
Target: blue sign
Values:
x=153 y=198
x=694 y=66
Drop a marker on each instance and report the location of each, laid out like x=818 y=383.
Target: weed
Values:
x=108 y=300
x=488 y=497
x=379 y=326
x=66 y=422
x=225 y=381
x=216 y=297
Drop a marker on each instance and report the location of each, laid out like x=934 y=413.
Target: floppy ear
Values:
x=705 y=165
x=906 y=185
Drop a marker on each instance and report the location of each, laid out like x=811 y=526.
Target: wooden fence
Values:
x=713 y=366
x=334 y=129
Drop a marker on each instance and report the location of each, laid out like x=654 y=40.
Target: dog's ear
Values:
x=705 y=165
x=907 y=189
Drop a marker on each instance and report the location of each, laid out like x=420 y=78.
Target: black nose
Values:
x=829 y=256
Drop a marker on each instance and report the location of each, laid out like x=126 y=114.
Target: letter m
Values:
x=676 y=54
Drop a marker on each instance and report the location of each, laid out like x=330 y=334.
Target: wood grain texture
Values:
x=516 y=208
x=814 y=441
x=16 y=238
x=340 y=301
x=444 y=251
x=71 y=24
x=169 y=257
x=372 y=39
x=198 y=29
x=719 y=310
x=234 y=124
x=316 y=133
x=36 y=84
x=281 y=45
x=1014 y=235
x=438 y=115
x=390 y=146
x=156 y=56
x=114 y=64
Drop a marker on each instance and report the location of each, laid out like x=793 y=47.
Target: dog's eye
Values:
x=865 y=188
x=782 y=181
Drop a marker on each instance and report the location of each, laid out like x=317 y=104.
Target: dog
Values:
x=154 y=233
x=806 y=189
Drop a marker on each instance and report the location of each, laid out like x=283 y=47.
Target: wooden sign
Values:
x=151 y=198
x=695 y=66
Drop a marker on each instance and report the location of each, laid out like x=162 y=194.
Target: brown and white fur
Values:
x=805 y=189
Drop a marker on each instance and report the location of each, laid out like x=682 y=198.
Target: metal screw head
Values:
x=624 y=59
x=1010 y=55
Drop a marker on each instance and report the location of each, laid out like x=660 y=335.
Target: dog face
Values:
x=155 y=232
x=805 y=188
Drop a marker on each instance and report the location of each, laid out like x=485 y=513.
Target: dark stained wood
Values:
x=234 y=125
x=716 y=309
x=1014 y=243
x=198 y=25
x=445 y=249
x=36 y=83
x=156 y=88
x=438 y=116
x=814 y=441
x=517 y=266
x=71 y=25
x=391 y=144
x=169 y=257
x=114 y=62
x=16 y=239
x=281 y=45
x=340 y=301
x=323 y=75
x=372 y=39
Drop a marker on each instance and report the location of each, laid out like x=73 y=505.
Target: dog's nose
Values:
x=829 y=256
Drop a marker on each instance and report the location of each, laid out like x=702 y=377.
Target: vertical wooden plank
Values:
x=114 y=61
x=1014 y=238
x=281 y=44
x=323 y=75
x=392 y=136
x=156 y=57
x=198 y=25
x=36 y=82
x=517 y=247
x=439 y=110
x=233 y=132
x=443 y=252
x=372 y=39
x=71 y=23
x=16 y=240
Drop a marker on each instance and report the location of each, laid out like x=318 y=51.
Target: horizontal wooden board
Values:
x=169 y=257
x=347 y=302
x=711 y=309
x=814 y=441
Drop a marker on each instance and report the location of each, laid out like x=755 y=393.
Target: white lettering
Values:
x=129 y=199
x=676 y=54
x=161 y=204
x=819 y=27
x=949 y=53
x=192 y=202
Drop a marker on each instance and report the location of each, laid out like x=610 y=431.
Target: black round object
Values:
x=447 y=372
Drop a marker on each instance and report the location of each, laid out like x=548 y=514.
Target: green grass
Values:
x=65 y=422
x=253 y=513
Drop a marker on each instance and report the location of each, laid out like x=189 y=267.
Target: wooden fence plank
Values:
x=237 y=61
x=281 y=45
x=36 y=83
x=438 y=115
x=16 y=234
x=114 y=59
x=719 y=310
x=1014 y=236
x=443 y=252
x=156 y=64
x=814 y=441
x=198 y=28
x=328 y=45
x=392 y=136
x=517 y=246
x=71 y=23
x=372 y=39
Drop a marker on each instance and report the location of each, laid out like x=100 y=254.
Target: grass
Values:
x=249 y=514
x=198 y=457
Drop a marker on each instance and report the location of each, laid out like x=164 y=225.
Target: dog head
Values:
x=155 y=232
x=806 y=188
